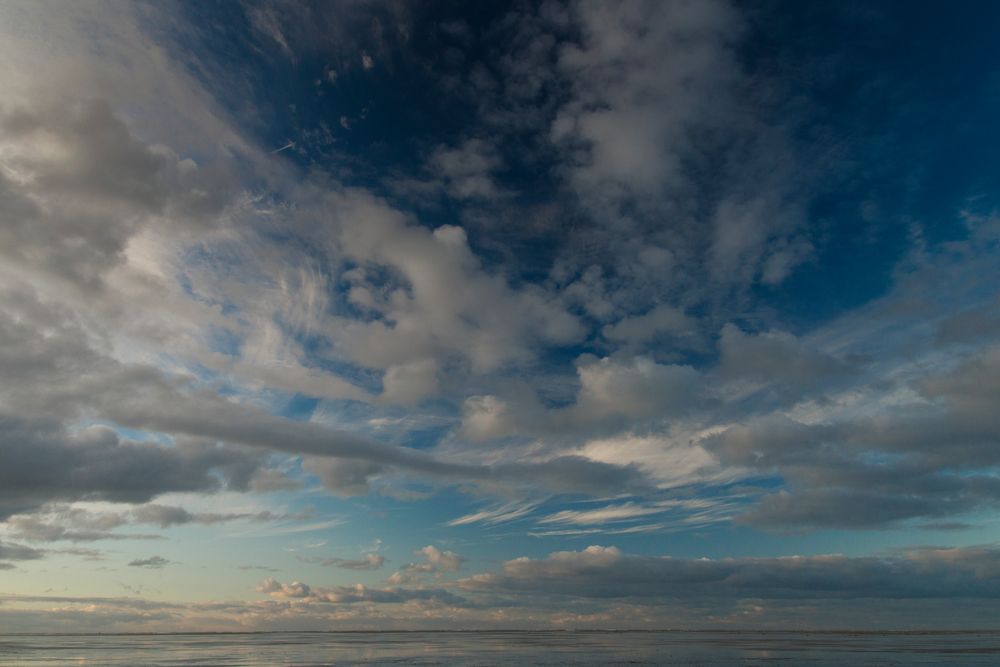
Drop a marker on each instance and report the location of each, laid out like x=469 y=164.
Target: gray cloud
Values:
x=165 y=516
x=600 y=587
x=606 y=572
x=125 y=262
x=76 y=203
x=153 y=562
x=53 y=523
x=16 y=552
x=780 y=362
x=37 y=529
x=60 y=374
x=41 y=462
x=370 y=561
x=930 y=459
x=970 y=326
x=613 y=393
x=343 y=595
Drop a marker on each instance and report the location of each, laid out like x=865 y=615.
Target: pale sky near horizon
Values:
x=376 y=314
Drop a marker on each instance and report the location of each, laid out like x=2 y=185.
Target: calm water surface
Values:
x=506 y=648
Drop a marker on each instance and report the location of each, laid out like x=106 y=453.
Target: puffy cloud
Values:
x=444 y=561
x=435 y=562
x=59 y=374
x=644 y=75
x=344 y=595
x=613 y=588
x=443 y=303
x=612 y=393
x=293 y=590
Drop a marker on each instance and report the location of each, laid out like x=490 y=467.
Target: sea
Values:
x=521 y=649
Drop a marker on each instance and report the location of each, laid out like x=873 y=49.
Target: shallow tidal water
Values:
x=506 y=648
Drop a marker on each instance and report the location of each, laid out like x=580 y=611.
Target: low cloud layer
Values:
x=601 y=587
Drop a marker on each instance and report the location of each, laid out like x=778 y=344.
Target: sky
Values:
x=390 y=315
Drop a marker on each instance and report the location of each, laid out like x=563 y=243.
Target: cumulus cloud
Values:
x=345 y=595
x=446 y=303
x=612 y=393
x=612 y=588
x=435 y=562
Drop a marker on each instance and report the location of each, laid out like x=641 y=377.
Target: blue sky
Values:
x=575 y=314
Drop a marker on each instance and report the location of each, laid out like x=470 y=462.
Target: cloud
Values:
x=497 y=514
x=897 y=589
x=53 y=523
x=17 y=552
x=165 y=516
x=661 y=321
x=41 y=462
x=613 y=393
x=467 y=169
x=367 y=562
x=930 y=458
x=582 y=292
x=435 y=562
x=345 y=595
x=779 y=362
x=628 y=511
x=153 y=562
x=607 y=573
x=445 y=303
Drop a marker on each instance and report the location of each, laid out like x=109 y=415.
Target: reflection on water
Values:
x=506 y=648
